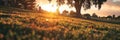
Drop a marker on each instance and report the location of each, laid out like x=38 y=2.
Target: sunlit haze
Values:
x=49 y=7
x=107 y=9
x=52 y=7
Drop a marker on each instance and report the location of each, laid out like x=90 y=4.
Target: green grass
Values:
x=47 y=26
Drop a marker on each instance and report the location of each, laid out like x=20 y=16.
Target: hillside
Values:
x=48 y=26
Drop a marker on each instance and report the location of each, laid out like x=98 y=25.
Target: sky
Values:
x=111 y=7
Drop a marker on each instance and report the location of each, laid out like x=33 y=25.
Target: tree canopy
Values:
x=86 y=4
x=25 y=4
x=78 y=4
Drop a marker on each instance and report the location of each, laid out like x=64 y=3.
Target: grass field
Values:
x=48 y=26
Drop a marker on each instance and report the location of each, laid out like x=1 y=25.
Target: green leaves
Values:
x=98 y=3
x=86 y=4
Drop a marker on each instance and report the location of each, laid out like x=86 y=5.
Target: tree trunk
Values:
x=78 y=11
x=78 y=6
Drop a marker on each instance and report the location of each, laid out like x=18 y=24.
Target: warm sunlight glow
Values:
x=66 y=7
x=62 y=8
x=53 y=8
x=49 y=7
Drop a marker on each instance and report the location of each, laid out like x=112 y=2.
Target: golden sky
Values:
x=108 y=8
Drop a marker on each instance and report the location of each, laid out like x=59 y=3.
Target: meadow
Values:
x=48 y=26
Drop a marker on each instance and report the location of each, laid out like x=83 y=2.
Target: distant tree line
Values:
x=25 y=4
x=113 y=17
x=94 y=15
x=88 y=16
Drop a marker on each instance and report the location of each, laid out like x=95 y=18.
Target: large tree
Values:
x=78 y=4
